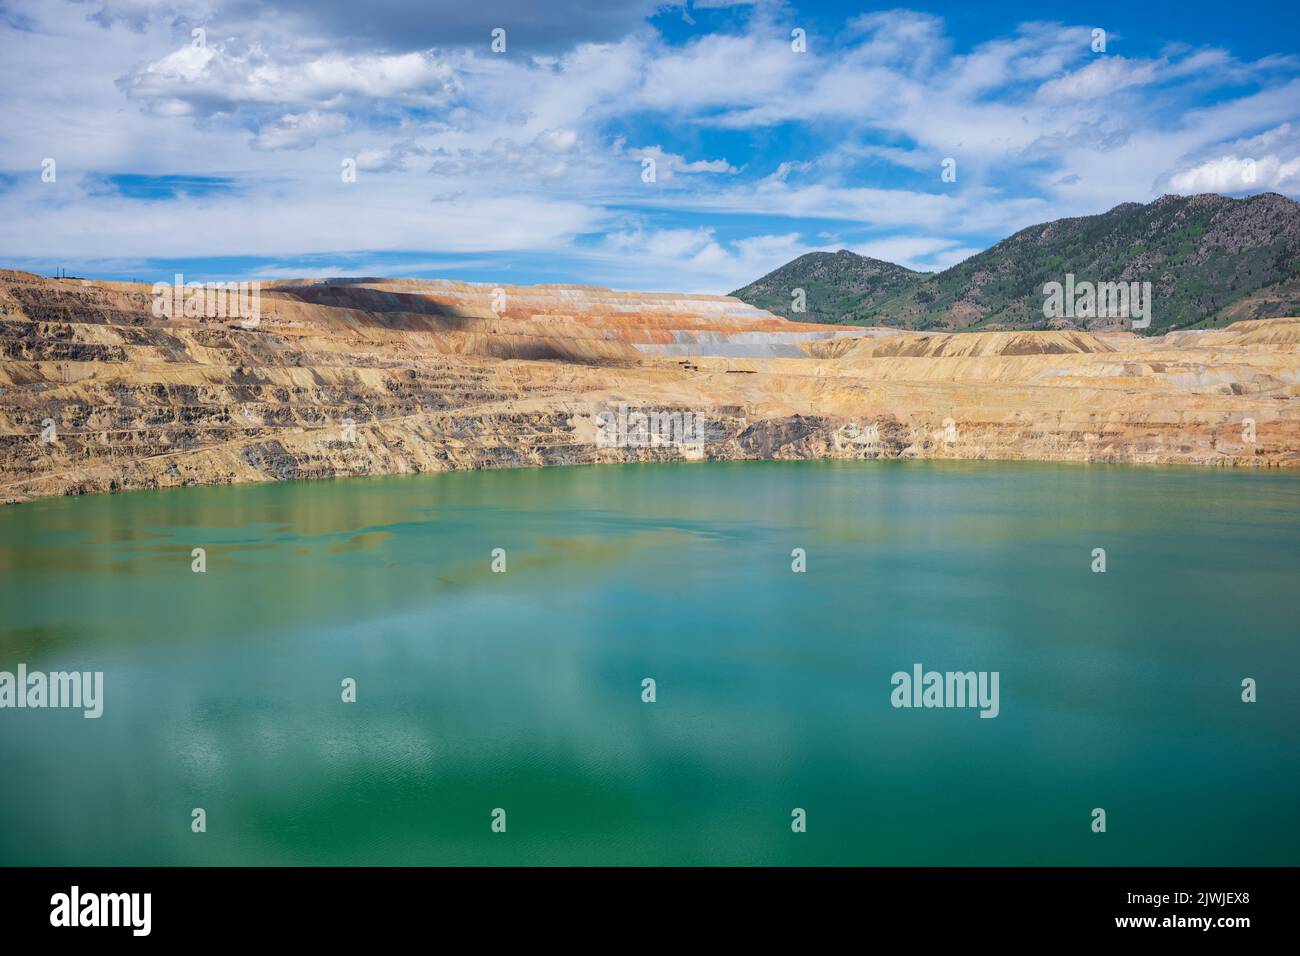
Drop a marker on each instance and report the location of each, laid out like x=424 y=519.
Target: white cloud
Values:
x=216 y=78
x=299 y=130
x=691 y=260
x=385 y=159
x=376 y=213
x=922 y=253
x=462 y=151
x=1269 y=161
x=666 y=164
x=1100 y=78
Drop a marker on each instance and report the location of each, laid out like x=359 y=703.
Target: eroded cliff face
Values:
x=359 y=377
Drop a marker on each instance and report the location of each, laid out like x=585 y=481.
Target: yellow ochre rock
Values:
x=99 y=392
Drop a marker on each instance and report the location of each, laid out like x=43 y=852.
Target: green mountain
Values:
x=835 y=285
x=1210 y=260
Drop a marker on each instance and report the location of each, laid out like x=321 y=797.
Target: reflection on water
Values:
x=522 y=690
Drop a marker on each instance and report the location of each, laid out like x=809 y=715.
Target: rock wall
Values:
x=357 y=377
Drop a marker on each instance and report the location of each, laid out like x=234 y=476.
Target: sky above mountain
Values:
x=215 y=137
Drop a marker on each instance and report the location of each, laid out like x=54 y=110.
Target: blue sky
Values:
x=221 y=154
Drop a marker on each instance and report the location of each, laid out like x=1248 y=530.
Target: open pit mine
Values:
x=100 y=393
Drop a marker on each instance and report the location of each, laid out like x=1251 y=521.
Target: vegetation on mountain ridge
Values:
x=1211 y=260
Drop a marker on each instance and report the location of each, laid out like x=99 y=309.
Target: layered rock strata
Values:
x=359 y=377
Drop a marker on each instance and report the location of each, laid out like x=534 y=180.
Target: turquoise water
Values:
x=522 y=690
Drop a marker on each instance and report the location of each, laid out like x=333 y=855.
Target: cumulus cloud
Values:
x=207 y=79
x=1269 y=161
x=761 y=153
